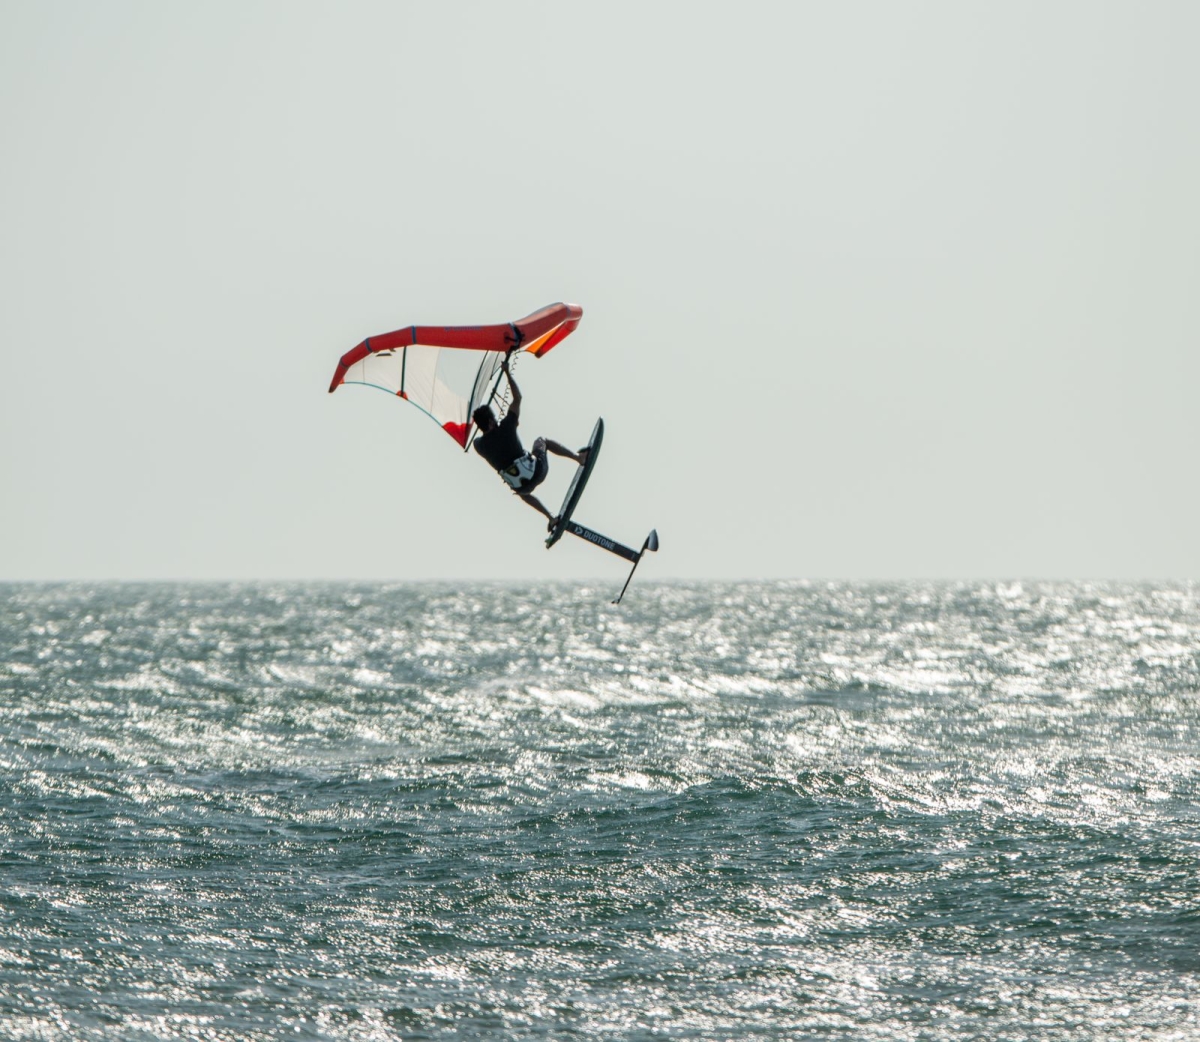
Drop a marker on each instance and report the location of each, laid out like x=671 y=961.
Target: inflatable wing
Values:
x=447 y=371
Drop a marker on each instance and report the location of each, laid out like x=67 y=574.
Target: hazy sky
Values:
x=870 y=290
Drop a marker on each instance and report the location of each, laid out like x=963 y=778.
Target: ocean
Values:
x=761 y=810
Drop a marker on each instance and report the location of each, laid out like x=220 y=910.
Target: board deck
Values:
x=578 y=483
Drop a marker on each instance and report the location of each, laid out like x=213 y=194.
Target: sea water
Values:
x=718 y=811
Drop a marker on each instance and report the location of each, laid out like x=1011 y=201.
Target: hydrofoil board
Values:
x=578 y=484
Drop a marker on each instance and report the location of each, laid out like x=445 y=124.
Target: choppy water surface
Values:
x=718 y=811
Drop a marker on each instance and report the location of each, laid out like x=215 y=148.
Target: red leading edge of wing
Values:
x=532 y=328
x=355 y=354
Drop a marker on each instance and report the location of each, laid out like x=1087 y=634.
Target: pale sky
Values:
x=871 y=290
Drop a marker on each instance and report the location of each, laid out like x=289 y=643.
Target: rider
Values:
x=499 y=444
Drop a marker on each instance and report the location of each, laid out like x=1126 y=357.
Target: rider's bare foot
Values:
x=552 y=523
x=583 y=455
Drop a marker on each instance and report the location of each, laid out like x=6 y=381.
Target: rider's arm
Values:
x=514 y=409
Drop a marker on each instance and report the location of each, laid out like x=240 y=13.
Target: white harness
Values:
x=520 y=471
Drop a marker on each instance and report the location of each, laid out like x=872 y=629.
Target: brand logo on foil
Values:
x=592 y=537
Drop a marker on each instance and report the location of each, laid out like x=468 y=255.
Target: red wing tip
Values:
x=458 y=431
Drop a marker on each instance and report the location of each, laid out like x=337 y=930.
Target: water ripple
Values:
x=762 y=810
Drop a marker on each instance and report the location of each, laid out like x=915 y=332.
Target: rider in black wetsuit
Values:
x=499 y=444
